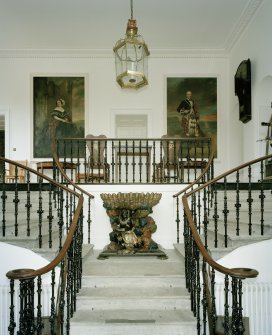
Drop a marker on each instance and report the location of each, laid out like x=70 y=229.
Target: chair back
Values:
x=21 y=173
x=171 y=149
x=96 y=148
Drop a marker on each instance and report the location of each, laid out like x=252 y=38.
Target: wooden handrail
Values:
x=200 y=176
x=241 y=273
x=69 y=180
x=225 y=174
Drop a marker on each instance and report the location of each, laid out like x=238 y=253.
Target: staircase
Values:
x=234 y=240
x=135 y=295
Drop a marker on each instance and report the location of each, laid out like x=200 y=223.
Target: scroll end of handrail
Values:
x=243 y=273
x=21 y=274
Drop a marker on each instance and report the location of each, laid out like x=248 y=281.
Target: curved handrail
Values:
x=234 y=272
x=210 y=161
x=225 y=174
x=69 y=180
x=73 y=242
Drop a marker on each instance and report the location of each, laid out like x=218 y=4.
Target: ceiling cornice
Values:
x=246 y=17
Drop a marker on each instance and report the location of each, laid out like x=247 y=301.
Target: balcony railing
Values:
x=133 y=161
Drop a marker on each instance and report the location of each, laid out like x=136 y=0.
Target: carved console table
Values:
x=132 y=227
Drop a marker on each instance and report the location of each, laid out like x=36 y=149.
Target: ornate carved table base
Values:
x=132 y=227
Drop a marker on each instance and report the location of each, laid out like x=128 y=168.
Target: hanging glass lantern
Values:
x=131 y=55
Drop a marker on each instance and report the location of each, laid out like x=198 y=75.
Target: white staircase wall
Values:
x=257 y=292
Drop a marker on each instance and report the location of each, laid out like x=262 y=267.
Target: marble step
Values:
x=138 y=322
x=130 y=297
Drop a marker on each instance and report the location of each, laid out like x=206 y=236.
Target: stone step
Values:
x=139 y=298
x=139 y=295
x=134 y=281
x=243 y=228
x=138 y=322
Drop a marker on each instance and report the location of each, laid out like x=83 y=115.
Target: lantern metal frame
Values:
x=131 y=54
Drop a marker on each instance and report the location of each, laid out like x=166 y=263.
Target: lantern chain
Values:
x=131 y=9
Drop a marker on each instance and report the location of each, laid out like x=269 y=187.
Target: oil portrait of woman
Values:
x=58 y=111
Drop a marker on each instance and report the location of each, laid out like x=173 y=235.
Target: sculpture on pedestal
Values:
x=132 y=226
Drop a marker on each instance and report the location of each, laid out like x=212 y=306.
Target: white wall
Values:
x=254 y=44
x=104 y=96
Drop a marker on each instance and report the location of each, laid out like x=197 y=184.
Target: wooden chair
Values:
x=97 y=169
x=13 y=176
x=169 y=167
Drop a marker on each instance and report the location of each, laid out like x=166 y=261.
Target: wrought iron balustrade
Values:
x=234 y=204
x=137 y=161
x=47 y=217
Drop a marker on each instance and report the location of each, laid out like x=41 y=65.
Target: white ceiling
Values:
x=97 y=24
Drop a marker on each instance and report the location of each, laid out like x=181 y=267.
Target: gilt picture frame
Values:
x=204 y=94
x=51 y=93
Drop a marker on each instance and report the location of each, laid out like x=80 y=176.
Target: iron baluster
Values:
x=177 y=218
x=262 y=197
x=79 y=146
x=99 y=162
x=140 y=160
x=240 y=325
x=237 y=204
x=133 y=161
x=204 y=299
x=154 y=177
x=50 y=217
x=235 y=322
x=198 y=290
x=126 y=160
x=60 y=215
x=226 y=306
x=161 y=172
x=147 y=162
x=205 y=220
x=4 y=199
x=16 y=201
x=186 y=248
x=26 y=313
x=199 y=211
x=68 y=293
x=40 y=324
x=52 y=317
x=63 y=271
x=213 y=308
x=40 y=212
x=28 y=204
x=12 y=323
x=194 y=275
x=119 y=162
x=67 y=202
x=113 y=163
x=215 y=217
x=249 y=201
x=89 y=220
x=106 y=165
x=225 y=212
